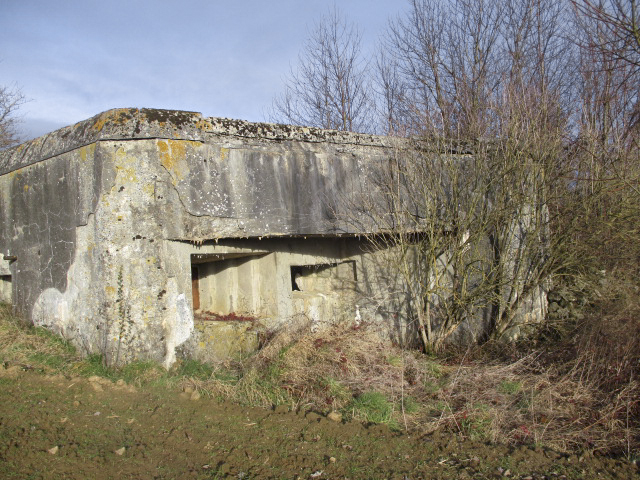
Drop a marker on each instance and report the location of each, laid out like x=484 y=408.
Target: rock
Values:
x=120 y=451
x=96 y=387
x=188 y=389
x=76 y=403
x=121 y=382
x=335 y=416
x=53 y=450
x=312 y=416
x=195 y=396
x=332 y=459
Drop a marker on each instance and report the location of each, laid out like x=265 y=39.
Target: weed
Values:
x=475 y=425
x=509 y=388
x=431 y=387
x=410 y=405
x=394 y=360
x=194 y=369
x=372 y=407
x=95 y=365
x=434 y=368
x=336 y=390
x=141 y=372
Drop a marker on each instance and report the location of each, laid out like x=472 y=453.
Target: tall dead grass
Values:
x=580 y=393
x=27 y=346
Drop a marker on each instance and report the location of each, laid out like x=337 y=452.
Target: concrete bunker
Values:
x=147 y=234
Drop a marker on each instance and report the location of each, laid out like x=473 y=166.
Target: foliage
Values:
x=194 y=369
x=372 y=407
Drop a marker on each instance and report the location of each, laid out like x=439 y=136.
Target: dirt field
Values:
x=77 y=428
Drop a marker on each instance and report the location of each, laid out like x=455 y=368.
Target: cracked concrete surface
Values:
x=102 y=218
x=146 y=234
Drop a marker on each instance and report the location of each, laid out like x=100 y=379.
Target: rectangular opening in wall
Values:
x=232 y=286
x=323 y=277
x=195 y=287
x=324 y=293
x=5 y=288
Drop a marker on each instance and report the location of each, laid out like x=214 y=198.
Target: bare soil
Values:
x=58 y=427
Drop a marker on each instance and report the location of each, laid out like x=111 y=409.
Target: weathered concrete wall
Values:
x=102 y=217
x=142 y=234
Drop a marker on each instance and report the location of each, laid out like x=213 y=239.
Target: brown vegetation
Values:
x=574 y=390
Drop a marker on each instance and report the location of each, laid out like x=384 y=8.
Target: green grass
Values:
x=410 y=405
x=509 y=388
x=372 y=407
x=194 y=369
x=336 y=390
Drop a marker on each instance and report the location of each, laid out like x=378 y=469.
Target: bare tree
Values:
x=486 y=88
x=606 y=159
x=458 y=59
x=613 y=26
x=10 y=101
x=329 y=88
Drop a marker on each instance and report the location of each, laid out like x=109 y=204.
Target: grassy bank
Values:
x=574 y=389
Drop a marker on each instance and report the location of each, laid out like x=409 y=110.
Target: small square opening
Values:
x=323 y=277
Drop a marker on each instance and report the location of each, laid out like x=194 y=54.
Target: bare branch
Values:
x=10 y=102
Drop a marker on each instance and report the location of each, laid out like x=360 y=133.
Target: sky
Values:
x=73 y=59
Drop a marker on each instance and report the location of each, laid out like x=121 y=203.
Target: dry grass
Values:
x=579 y=394
x=31 y=347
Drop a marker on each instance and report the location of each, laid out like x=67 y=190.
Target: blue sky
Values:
x=225 y=58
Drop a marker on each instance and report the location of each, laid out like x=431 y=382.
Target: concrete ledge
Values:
x=145 y=123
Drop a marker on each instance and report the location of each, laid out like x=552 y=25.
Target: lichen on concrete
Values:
x=118 y=226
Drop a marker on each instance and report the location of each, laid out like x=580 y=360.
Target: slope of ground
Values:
x=72 y=427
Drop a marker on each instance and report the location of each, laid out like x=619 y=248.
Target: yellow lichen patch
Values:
x=117 y=115
x=125 y=171
x=151 y=260
x=21 y=147
x=111 y=291
x=204 y=125
x=26 y=188
x=173 y=156
x=149 y=189
x=87 y=151
x=224 y=154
